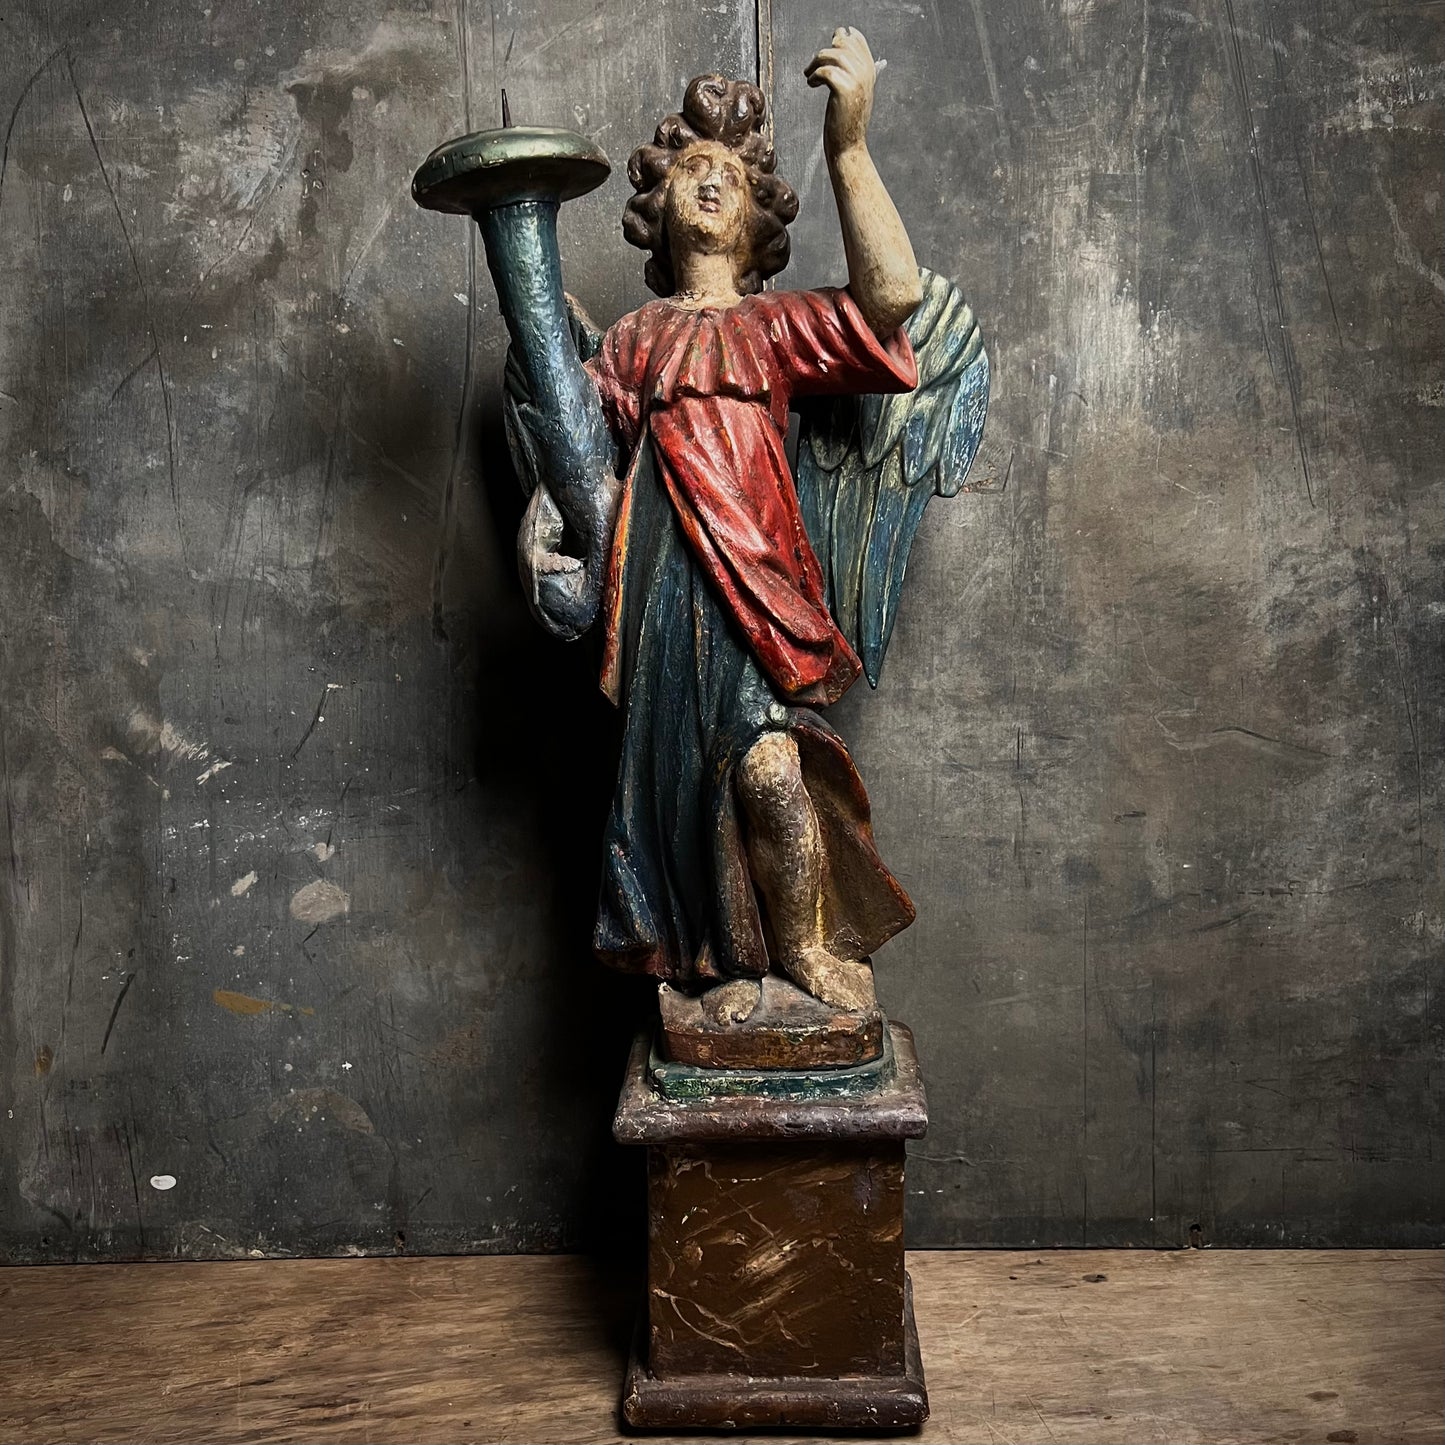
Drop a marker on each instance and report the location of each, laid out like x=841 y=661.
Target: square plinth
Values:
x=776 y=1294
x=778 y=1257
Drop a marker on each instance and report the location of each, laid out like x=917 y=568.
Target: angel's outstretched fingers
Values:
x=831 y=76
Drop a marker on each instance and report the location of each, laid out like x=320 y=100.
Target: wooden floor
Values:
x=1068 y=1346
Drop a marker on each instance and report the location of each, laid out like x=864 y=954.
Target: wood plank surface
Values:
x=1061 y=1346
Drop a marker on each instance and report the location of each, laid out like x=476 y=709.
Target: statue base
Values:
x=789 y=1029
x=776 y=1293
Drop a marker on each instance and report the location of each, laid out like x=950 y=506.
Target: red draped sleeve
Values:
x=619 y=370
x=825 y=348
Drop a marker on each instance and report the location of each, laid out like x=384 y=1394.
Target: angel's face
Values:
x=707 y=201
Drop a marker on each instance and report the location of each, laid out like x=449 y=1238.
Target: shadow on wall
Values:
x=546 y=707
x=533 y=767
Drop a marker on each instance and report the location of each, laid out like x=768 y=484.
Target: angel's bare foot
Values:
x=731 y=1003
x=836 y=981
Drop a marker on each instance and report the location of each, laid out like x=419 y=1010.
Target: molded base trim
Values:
x=875 y=1403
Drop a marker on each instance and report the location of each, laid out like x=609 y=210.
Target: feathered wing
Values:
x=867 y=466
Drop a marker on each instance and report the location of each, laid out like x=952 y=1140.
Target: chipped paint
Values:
x=244 y=1005
x=148 y=733
x=320 y=1106
x=320 y=901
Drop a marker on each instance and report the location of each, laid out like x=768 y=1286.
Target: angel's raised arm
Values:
x=882 y=271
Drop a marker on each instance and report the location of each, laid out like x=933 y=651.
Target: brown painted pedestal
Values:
x=776 y=1294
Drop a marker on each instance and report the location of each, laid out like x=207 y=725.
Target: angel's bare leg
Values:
x=785 y=848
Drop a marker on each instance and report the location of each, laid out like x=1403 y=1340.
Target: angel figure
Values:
x=734 y=600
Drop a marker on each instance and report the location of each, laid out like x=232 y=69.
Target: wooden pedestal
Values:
x=776 y=1294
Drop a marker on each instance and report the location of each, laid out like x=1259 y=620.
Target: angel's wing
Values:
x=867 y=466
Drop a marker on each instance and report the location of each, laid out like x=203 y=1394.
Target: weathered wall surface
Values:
x=1158 y=744
x=297 y=850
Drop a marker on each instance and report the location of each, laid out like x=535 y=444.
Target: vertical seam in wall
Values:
x=763 y=53
x=764 y=50
x=465 y=407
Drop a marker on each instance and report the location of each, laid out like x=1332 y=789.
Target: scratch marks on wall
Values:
x=1391 y=92
x=990 y=70
x=317 y=717
x=115 y=1009
x=1289 y=364
x=20 y=100
x=152 y=735
x=461 y=445
x=1406 y=252
x=1127 y=365
x=140 y=277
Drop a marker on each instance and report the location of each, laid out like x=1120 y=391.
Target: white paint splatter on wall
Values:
x=148 y=732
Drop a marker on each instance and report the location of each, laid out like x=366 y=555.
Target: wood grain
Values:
x=1085 y=1346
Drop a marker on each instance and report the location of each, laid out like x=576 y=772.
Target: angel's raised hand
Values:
x=846 y=67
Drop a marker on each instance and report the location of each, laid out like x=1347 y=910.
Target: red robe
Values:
x=712 y=387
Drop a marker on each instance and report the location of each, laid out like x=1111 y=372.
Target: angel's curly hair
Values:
x=730 y=112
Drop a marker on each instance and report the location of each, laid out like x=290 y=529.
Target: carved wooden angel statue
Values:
x=735 y=600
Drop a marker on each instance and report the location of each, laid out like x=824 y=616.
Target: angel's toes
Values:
x=839 y=982
x=731 y=1003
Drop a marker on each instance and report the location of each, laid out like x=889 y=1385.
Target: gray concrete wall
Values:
x=297 y=851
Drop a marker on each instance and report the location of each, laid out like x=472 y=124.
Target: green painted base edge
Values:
x=681 y=1082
